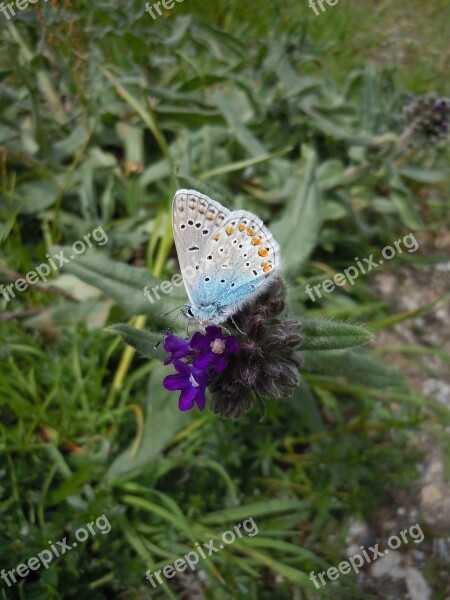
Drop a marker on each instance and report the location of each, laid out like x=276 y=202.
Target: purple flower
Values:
x=178 y=347
x=213 y=348
x=191 y=381
x=204 y=354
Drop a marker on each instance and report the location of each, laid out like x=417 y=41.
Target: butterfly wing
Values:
x=226 y=258
x=195 y=218
x=238 y=263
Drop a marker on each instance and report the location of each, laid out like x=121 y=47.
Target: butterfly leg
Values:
x=234 y=323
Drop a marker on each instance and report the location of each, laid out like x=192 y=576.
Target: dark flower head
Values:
x=267 y=362
x=428 y=117
x=232 y=402
x=191 y=381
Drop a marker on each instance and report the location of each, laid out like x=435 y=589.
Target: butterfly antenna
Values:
x=173 y=310
x=171 y=324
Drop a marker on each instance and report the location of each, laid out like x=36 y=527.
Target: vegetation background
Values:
x=300 y=119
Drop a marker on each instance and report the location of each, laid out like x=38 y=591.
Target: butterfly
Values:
x=227 y=258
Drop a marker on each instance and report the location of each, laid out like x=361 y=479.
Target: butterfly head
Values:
x=187 y=312
x=205 y=314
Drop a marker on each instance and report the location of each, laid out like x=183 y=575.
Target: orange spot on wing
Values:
x=250 y=231
x=256 y=241
x=216 y=237
x=266 y=267
x=241 y=227
x=229 y=230
x=263 y=252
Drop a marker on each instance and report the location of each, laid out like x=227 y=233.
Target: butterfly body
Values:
x=227 y=258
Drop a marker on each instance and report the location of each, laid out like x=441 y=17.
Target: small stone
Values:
x=430 y=495
x=438 y=389
x=358 y=535
x=442 y=548
x=417 y=586
x=388 y=565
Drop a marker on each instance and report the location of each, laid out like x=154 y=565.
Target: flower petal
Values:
x=175 y=382
x=213 y=331
x=200 y=397
x=174 y=343
x=181 y=367
x=220 y=364
x=178 y=347
x=187 y=398
x=199 y=342
x=203 y=360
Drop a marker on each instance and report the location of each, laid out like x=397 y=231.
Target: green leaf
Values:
x=293 y=83
x=256 y=509
x=243 y=135
x=298 y=229
x=383 y=205
x=333 y=211
x=330 y=174
x=125 y=284
x=422 y=175
x=403 y=203
x=328 y=126
x=391 y=320
x=332 y=335
x=156 y=171
x=402 y=200
x=286 y=571
x=370 y=101
x=93 y=313
x=72 y=485
x=242 y=164
x=34 y=196
x=146 y=115
x=143 y=341
x=220 y=43
x=70 y=144
x=355 y=366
